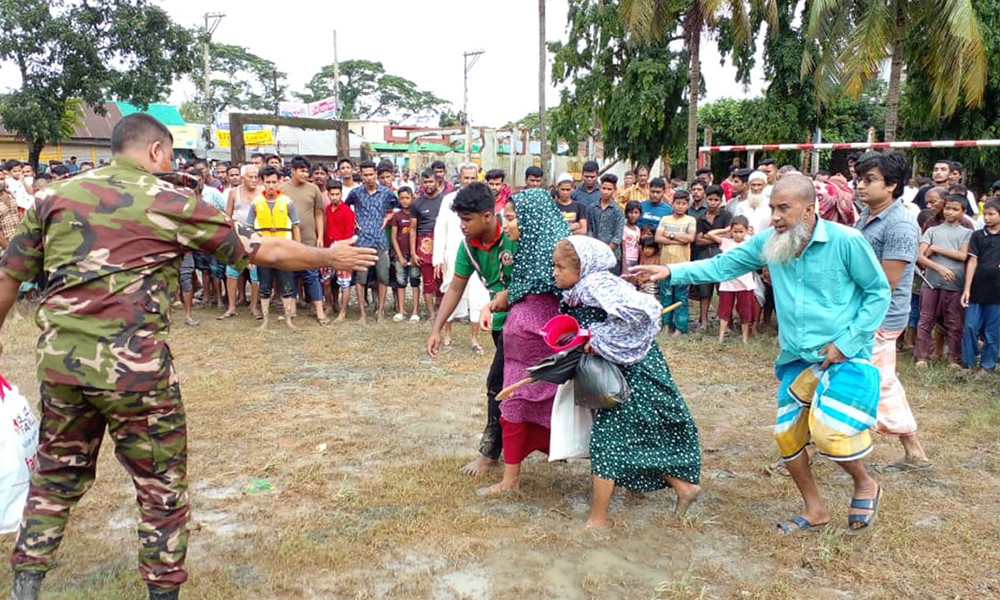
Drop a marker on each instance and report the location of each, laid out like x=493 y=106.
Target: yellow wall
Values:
x=10 y=148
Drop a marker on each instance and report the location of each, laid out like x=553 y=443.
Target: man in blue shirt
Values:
x=655 y=208
x=588 y=193
x=831 y=296
x=372 y=203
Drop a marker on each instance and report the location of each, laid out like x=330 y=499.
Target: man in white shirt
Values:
x=448 y=239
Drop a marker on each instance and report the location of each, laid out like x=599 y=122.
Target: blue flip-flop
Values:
x=798 y=525
x=866 y=520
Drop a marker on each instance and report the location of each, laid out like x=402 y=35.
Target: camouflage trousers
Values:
x=150 y=436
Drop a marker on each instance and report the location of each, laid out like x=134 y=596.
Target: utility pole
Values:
x=211 y=23
x=542 y=56
x=274 y=88
x=336 y=78
x=474 y=55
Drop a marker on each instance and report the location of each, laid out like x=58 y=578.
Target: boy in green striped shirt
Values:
x=487 y=252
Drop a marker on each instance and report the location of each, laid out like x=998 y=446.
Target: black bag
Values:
x=599 y=383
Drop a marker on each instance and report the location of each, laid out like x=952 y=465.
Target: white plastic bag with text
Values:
x=18 y=441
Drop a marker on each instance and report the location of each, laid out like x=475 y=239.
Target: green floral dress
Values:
x=649 y=436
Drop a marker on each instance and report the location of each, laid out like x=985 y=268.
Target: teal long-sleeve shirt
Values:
x=835 y=291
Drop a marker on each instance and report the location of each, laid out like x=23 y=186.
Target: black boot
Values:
x=26 y=585
x=158 y=593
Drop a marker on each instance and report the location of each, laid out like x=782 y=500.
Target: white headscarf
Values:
x=633 y=317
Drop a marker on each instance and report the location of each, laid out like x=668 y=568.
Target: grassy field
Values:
x=361 y=438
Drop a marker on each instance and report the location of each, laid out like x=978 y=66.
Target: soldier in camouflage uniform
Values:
x=110 y=241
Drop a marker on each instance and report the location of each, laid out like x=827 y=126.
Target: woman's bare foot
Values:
x=685 y=498
x=499 y=488
x=480 y=465
x=597 y=523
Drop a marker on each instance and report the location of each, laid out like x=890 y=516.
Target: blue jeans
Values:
x=914 y=319
x=285 y=279
x=310 y=280
x=984 y=319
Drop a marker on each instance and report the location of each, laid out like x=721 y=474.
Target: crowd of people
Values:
x=847 y=269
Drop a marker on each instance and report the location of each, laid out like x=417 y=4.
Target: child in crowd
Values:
x=647 y=232
x=649 y=254
x=715 y=217
x=486 y=252
x=737 y=292
x=340 y=225
x=650 y=442
x=630 y=235
x=407 y=272
x=574 y=212
x=942 y=254
x=981 y=294
x=675 y=234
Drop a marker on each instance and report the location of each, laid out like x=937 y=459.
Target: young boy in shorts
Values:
x=407 y=271
x=340 y=225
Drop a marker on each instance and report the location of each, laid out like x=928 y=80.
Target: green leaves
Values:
x=75 y=52
x=240 y=80
x=371 y=92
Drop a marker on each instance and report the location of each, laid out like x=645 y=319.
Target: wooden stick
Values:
x=671 y=308
x=507 y=391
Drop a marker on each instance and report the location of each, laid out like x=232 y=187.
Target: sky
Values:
x=421 y=41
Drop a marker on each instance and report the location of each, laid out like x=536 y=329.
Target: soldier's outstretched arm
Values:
x=292 y=256
x=8 y=296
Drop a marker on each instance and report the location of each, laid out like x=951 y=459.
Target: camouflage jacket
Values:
x=110 y=241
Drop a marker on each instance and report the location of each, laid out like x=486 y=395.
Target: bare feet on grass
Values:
x=500 y=488
x=479 y=466
x=687 y=493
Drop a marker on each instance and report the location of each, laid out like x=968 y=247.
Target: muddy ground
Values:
x=361 y=437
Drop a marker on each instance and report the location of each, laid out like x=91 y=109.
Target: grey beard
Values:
x=783 y=247
x=755 y=200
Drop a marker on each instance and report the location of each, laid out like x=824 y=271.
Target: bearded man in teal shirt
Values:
x=831 y=295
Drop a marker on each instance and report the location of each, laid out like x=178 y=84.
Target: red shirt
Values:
x=340 y=224
x=727 y=190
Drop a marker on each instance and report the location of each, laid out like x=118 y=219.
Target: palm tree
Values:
x=655 y=21
x=851 y=41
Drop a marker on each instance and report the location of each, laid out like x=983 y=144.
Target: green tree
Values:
x=850 y=41
x=239 y=79
x=657 y=20
x=980 y=122
x=367 y=91
x=76 y=52
x=630 y=90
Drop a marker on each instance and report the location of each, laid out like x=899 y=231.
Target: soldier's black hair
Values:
x=473 y=198
x=139 y=128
